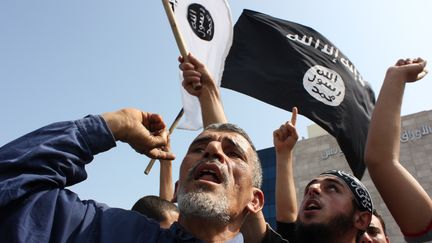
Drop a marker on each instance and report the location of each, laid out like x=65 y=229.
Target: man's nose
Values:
x=314 y=188
x=365 y=238
x=214 y=151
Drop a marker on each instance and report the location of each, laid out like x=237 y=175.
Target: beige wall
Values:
x=317 y=154
x=314 y=131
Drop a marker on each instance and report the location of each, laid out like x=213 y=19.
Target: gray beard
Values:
x=200 y=204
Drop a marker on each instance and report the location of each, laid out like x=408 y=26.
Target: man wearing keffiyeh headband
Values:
x=336 y=207
x=359 y=191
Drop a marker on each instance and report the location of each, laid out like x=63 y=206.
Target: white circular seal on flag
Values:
x=201 y=21
x=324 y=85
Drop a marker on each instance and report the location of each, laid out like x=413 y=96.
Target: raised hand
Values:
x=196 y=76
x=145 y=132
x=286 y=136
x=410 y=70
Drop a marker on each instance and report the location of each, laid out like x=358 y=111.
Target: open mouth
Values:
x=208 y=172
x=312 y=205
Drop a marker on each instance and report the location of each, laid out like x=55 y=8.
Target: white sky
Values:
x=62 y=60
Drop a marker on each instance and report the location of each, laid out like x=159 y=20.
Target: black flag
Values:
x=287 y=64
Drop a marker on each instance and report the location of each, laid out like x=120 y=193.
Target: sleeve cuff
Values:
x=96 y=133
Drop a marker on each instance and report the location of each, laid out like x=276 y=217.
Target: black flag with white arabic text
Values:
x=287 y=64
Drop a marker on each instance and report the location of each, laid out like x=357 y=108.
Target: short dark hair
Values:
x=154 y=207
x=257 y=170
x=380 y=218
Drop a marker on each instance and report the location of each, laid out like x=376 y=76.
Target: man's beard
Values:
x=325 y=233
x=201 y=204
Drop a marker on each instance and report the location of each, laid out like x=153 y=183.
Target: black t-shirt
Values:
x=287 y=231
x=272 y=237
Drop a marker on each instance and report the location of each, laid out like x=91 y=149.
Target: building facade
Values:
x=317 y=154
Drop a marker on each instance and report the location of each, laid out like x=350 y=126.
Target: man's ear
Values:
x=174 y=199
x=257 y=202
x=362 y=220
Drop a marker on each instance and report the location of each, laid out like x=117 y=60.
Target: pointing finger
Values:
x=294 y=115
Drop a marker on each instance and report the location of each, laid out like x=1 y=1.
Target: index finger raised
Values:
x=294 y=116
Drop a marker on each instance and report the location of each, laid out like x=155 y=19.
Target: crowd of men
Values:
x=217 y=197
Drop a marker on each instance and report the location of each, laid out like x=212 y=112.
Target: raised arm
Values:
x=255 y=228
x=284 y=140
x=145 y=132
x=36 y=168
x=166 y=186
x=407 y=201
x=208 y=92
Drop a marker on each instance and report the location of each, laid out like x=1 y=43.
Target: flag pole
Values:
x=183 y=51
x=177 y=34
x=171 y=129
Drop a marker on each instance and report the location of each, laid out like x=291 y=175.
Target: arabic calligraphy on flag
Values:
x=287 y=64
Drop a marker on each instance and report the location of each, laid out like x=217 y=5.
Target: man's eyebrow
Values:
x=374 y=228
x=203 y=139
x=329 y=179
x=310 y=183
x=371 y=225
x=334 y=180
x=228 y=140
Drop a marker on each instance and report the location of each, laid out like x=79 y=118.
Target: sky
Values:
x=63 y=60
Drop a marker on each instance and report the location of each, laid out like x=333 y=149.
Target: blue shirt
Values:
x=36 y=207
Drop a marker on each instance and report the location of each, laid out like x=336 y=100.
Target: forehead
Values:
x=375 y=222
x=328 y=179
x=228 y=137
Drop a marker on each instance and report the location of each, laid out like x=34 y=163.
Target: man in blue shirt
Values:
x=219 y=182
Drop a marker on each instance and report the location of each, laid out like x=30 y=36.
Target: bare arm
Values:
x=407 y=201
x=284 y=140
x=166 y=186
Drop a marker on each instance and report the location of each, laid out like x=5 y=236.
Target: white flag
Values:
x=207 y=30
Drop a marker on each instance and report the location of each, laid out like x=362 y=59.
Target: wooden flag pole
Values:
x=177 y=34
x=171 y=129
x=183 y=51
